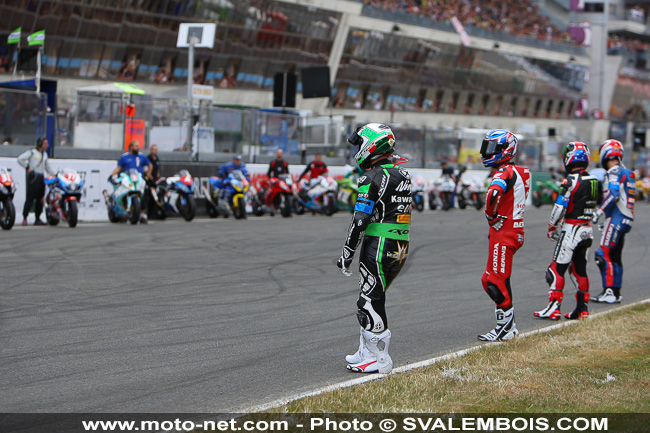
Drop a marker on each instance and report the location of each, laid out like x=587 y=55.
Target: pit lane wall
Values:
x=95 y=172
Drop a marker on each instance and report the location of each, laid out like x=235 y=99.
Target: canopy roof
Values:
x=113 y=88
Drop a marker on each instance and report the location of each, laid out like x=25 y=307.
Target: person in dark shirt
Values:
x=447 y=171
x=155 y=162
x=278 y=166
x=315 y=168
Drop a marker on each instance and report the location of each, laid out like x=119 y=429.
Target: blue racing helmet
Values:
x=498 y=146
x=575 y=154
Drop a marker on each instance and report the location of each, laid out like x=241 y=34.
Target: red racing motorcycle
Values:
x=276 y=195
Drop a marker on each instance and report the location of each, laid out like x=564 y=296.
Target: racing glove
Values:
x=345 y=261
x=113 y=179
x=552 y=232
x=496 y=221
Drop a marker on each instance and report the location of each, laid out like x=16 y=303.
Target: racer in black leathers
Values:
x=381 y=225
x=570 y=226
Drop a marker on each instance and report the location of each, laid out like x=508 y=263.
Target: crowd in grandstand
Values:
x=616 y=44
x=517 y=17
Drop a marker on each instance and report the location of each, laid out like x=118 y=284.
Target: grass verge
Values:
x=601 y=365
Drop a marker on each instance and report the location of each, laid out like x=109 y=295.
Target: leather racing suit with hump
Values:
x=579 y=196
x=618 y=206
x=505 y=207
x=381 y=225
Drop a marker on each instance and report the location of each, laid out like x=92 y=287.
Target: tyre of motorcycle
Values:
x=211 y=210
x=446 y=205
x=432 y=202
x=419 y=204
x=462 y=203
x=537 y=201
x=285 y=206
x=112 y=216
x=478 y=203
x=258 y=209
x=330 y=207
x=298 y=206
x=134 y=212
x=51 y=217
x=8 y=214
x=187 y=211
x=240 y=209
x=72 y=213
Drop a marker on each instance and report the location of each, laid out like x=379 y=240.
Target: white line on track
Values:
x=425 y=363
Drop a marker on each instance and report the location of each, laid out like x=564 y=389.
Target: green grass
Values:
x=600 y=365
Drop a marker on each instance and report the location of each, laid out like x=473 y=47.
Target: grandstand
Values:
x=396 y=61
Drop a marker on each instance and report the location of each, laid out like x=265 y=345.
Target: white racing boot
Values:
x=360 y=354
x=506 y=328
x=377 y=359
x=608 y=296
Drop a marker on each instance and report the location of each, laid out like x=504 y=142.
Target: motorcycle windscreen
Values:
x=489 y=147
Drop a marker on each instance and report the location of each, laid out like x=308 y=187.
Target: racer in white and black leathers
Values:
x=579 y=196
x=381 y=227
x=618 y=209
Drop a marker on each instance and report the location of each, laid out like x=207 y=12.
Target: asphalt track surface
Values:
x=221 y=315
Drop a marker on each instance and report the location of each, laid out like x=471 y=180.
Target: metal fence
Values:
x=23 y=116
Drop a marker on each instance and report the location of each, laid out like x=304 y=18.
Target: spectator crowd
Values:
x=516 y=17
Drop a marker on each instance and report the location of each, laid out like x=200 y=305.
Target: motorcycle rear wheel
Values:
x=112 y=216
x=8 y=216
x=211 y=210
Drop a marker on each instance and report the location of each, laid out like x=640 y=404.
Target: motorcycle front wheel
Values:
x=240 y=209
x=419 y=205
x=188 y=211
x=73 y=213
x=285 y=206
x=134 y=214
x=8 y=215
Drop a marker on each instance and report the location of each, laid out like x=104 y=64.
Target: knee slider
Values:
x=550 y=276
x=494 y=293
x=368 y=317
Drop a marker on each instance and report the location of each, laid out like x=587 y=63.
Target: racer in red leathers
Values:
x=505 y=206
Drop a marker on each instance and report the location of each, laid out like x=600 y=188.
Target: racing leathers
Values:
x=579 y=196
x=618 y=209
x=505 y=207
x=381 y=226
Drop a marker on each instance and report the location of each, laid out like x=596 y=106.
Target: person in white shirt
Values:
x=37 y=165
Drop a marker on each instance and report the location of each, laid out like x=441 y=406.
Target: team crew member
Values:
x=315 y=168
x=618 y=209
x=37 y=165
x=381 y=225
x=133 y=159
x=504 y=209
x=278 y=166
x=579 y=196
x=155 y=162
